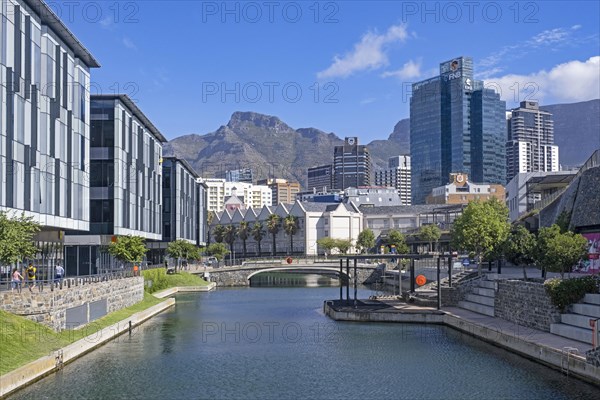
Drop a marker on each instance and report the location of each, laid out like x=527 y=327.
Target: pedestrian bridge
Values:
x=240 y=275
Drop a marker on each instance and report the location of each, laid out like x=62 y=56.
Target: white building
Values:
x=397 y=175
x=218 y=190
x=315 y=221
x=530 y=146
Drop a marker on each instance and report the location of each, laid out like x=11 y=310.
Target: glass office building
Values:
x=125 y=183
x=456 y=125
x=44 y=118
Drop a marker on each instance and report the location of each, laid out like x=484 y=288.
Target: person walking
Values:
x=60 y=272
x=30 y=271
x=16 y=280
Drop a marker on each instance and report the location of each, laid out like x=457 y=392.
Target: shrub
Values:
x=564 y=292
x=158 y=277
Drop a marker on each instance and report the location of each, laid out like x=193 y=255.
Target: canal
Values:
x=275 y=343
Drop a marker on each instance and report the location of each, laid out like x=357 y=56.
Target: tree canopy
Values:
x=519 y=247
x=366 y=240
x=16 y=238
x=482 y=227
x=559 y=252
x=430 y=234
x=128 y=248
x=397 y=239
x=217 y=250
x=327 y=243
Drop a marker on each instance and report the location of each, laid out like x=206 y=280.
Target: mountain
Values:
x=396 y=144
x=576 y=130
x=263 y=143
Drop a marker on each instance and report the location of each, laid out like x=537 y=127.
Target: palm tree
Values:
x=219 y=233
x=273 y=225
x=290 y=226
x=229 y=236
x=243 y=232
x=258 y=233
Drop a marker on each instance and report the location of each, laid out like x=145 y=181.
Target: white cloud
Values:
x=368 y=54
x=568 y=82
x=368 y=100
x=549 y=38
x=129 y=43
x=411 y=69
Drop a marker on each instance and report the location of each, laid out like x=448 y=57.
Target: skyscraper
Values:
x=351 y=165
x=456 y=125
x=530 y=146
x=397 y=175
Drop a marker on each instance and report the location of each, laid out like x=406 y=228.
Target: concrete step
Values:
x=592 y=299
x=475 y=298
x=572 y=332
x=478 y=308
x=484 y=292
x=591 y=310
x=487 y=284
x=581 y=321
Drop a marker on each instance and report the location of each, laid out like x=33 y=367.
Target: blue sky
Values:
x=343 y=67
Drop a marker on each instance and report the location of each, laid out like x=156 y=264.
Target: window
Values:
x=102 y=173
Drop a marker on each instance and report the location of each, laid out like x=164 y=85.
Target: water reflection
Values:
x=293 y=279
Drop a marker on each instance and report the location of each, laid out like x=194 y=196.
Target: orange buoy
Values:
x=421 y=280
x=289 y=260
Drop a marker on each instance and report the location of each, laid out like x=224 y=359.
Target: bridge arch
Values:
x=308 y=270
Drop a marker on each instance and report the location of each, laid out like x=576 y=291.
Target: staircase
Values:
x=576 y=324
x=481 y=299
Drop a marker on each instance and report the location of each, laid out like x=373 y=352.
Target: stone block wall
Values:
x=526 y=304
x=49 y=307
x=452 y=295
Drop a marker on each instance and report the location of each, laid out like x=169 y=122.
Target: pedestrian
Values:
x=60 y=272
x=16 y=280
x=30 y=271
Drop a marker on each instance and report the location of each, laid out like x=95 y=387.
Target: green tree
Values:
x=16 y=238
x=519 y=247
x=273 y=225
x=559 y=252
x=291 y=227
x=243 y=233
x=217 y=250
x=397 y=239
x=366 y=240
x=219 y=233
x=343 y=245
x=130 y=249
x=481 y=228
x=258 y=233
x=430 y=233
x=229 y=235
x=182 y=250
x=327 y=243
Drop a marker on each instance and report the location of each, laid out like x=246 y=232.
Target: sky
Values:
x=339 y=66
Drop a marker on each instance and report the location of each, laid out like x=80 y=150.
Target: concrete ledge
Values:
x=525 y=342
x=37 y=369
x=576 y=365
x=171 y=291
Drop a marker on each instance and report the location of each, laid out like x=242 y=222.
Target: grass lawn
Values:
x=23 y=341
x=161 y=280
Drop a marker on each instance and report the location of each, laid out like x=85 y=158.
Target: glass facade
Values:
x=44 y=118
x=455 y=126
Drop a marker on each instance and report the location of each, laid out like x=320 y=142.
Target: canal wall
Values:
x=458 y=292
x=171 y=291
x=525 y=303
x=44 y=366
x=74 y=304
